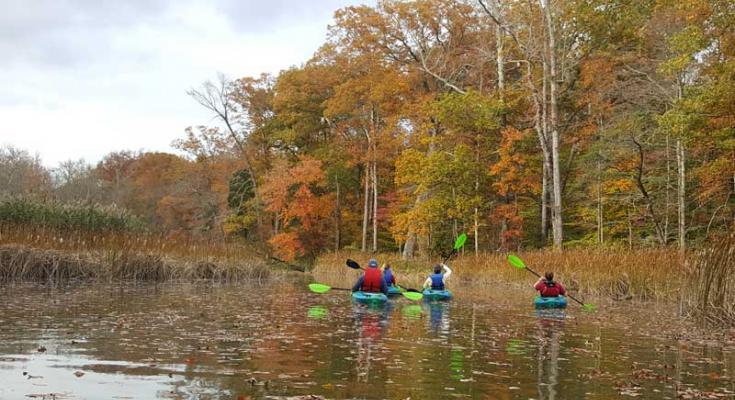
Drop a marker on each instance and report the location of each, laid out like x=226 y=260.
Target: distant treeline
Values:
x=524 y=124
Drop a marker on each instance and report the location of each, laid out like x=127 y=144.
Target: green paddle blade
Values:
x=319 y=288
x=413 y=296
x=516 y=262
x=460 y=241
x=318 y=312
x=589 y=307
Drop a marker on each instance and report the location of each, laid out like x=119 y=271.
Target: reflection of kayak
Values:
x=432 y=295
x=394 y=291
x=369 y=298
x=550 y=302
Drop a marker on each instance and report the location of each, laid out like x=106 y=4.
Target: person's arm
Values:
x=447 y=273
x=383 y=287
x=393 y=279
x=358 y=284
x=427 y=282
x=562 y=291
x=539 y=284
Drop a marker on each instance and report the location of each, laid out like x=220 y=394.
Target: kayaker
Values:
x=372 y=280
x=438 y=279
x=547 y=287
x=390 y=279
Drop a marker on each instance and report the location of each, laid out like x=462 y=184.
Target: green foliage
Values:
x=21 y=211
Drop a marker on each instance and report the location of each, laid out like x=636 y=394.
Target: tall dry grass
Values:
x=50 y=255
x=713 y=297
x=647 y=274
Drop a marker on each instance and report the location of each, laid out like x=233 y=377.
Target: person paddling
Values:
x=372 y=280
x=390 y=278
x=438 y=280
x=547 y=287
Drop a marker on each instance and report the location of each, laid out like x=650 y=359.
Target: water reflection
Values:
x=439 y=320
x=372 y=322
x=550 y=323
x=205 y=342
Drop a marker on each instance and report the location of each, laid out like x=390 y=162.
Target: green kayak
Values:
x=437 y=295
x=369 y=298
x=394 y=291
x=550 y=302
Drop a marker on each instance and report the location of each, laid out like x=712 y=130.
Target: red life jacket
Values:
x=372 y=280
x=550 y=289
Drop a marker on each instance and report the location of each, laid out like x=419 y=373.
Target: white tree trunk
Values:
x=556 y=208
x=680 y=161
x=366 y=208
x=375 y=206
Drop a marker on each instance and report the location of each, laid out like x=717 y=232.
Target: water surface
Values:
x=279 y=340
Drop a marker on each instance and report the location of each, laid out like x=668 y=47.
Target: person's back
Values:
x=390 y=278
x=372 y=280
x=547 y=287
x=438 y=280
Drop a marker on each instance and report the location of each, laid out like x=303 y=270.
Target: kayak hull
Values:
x=369 y=298
x=437 y=295
x=550 y=302
x=394 y=291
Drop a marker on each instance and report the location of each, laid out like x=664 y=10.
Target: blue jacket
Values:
x=437 y=281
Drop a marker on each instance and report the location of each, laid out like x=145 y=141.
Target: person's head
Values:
x=549 y=276
x=387 y=266
x=373 y=263
x=437 y=268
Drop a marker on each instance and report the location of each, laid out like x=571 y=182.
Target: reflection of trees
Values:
x=550 y=323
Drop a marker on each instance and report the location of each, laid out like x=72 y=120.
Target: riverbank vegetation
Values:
x=602 y=129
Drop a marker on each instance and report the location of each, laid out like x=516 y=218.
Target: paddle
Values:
x=322 y=288
x=457 y=245
x=411 y=294
x=518 y=263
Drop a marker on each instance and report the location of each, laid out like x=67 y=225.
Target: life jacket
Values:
x=372 y=280
x=437 y=281
x=388 y=276
x=550 y=289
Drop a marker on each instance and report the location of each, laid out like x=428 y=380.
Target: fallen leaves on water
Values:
x=47 y=396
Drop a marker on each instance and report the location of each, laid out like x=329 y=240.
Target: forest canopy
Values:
x=524 y=124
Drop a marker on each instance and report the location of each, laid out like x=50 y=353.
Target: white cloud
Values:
x=82 y=81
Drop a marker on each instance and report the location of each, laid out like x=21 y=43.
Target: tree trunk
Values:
x=337 y=219
x=681 y=166
x=556 y=211
x=366 y=208
x=375 y=206
x=668 y=189
x=600 y=229
x=500 y=58
x=410 y=246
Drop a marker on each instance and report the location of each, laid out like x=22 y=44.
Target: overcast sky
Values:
x=81 y=78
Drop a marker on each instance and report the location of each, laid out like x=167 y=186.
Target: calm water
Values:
x=188 y=341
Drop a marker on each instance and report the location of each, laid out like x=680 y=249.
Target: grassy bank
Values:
x=48 y=255
x=655 y=274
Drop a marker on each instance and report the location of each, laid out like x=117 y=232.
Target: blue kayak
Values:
x=434 y=295
x=369 y=298
x=550 y=302
x=394 y=291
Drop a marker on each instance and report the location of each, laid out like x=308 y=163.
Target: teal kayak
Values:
x=550 y=302
x=369 y=298
x=434 y=295
x=394 y=291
